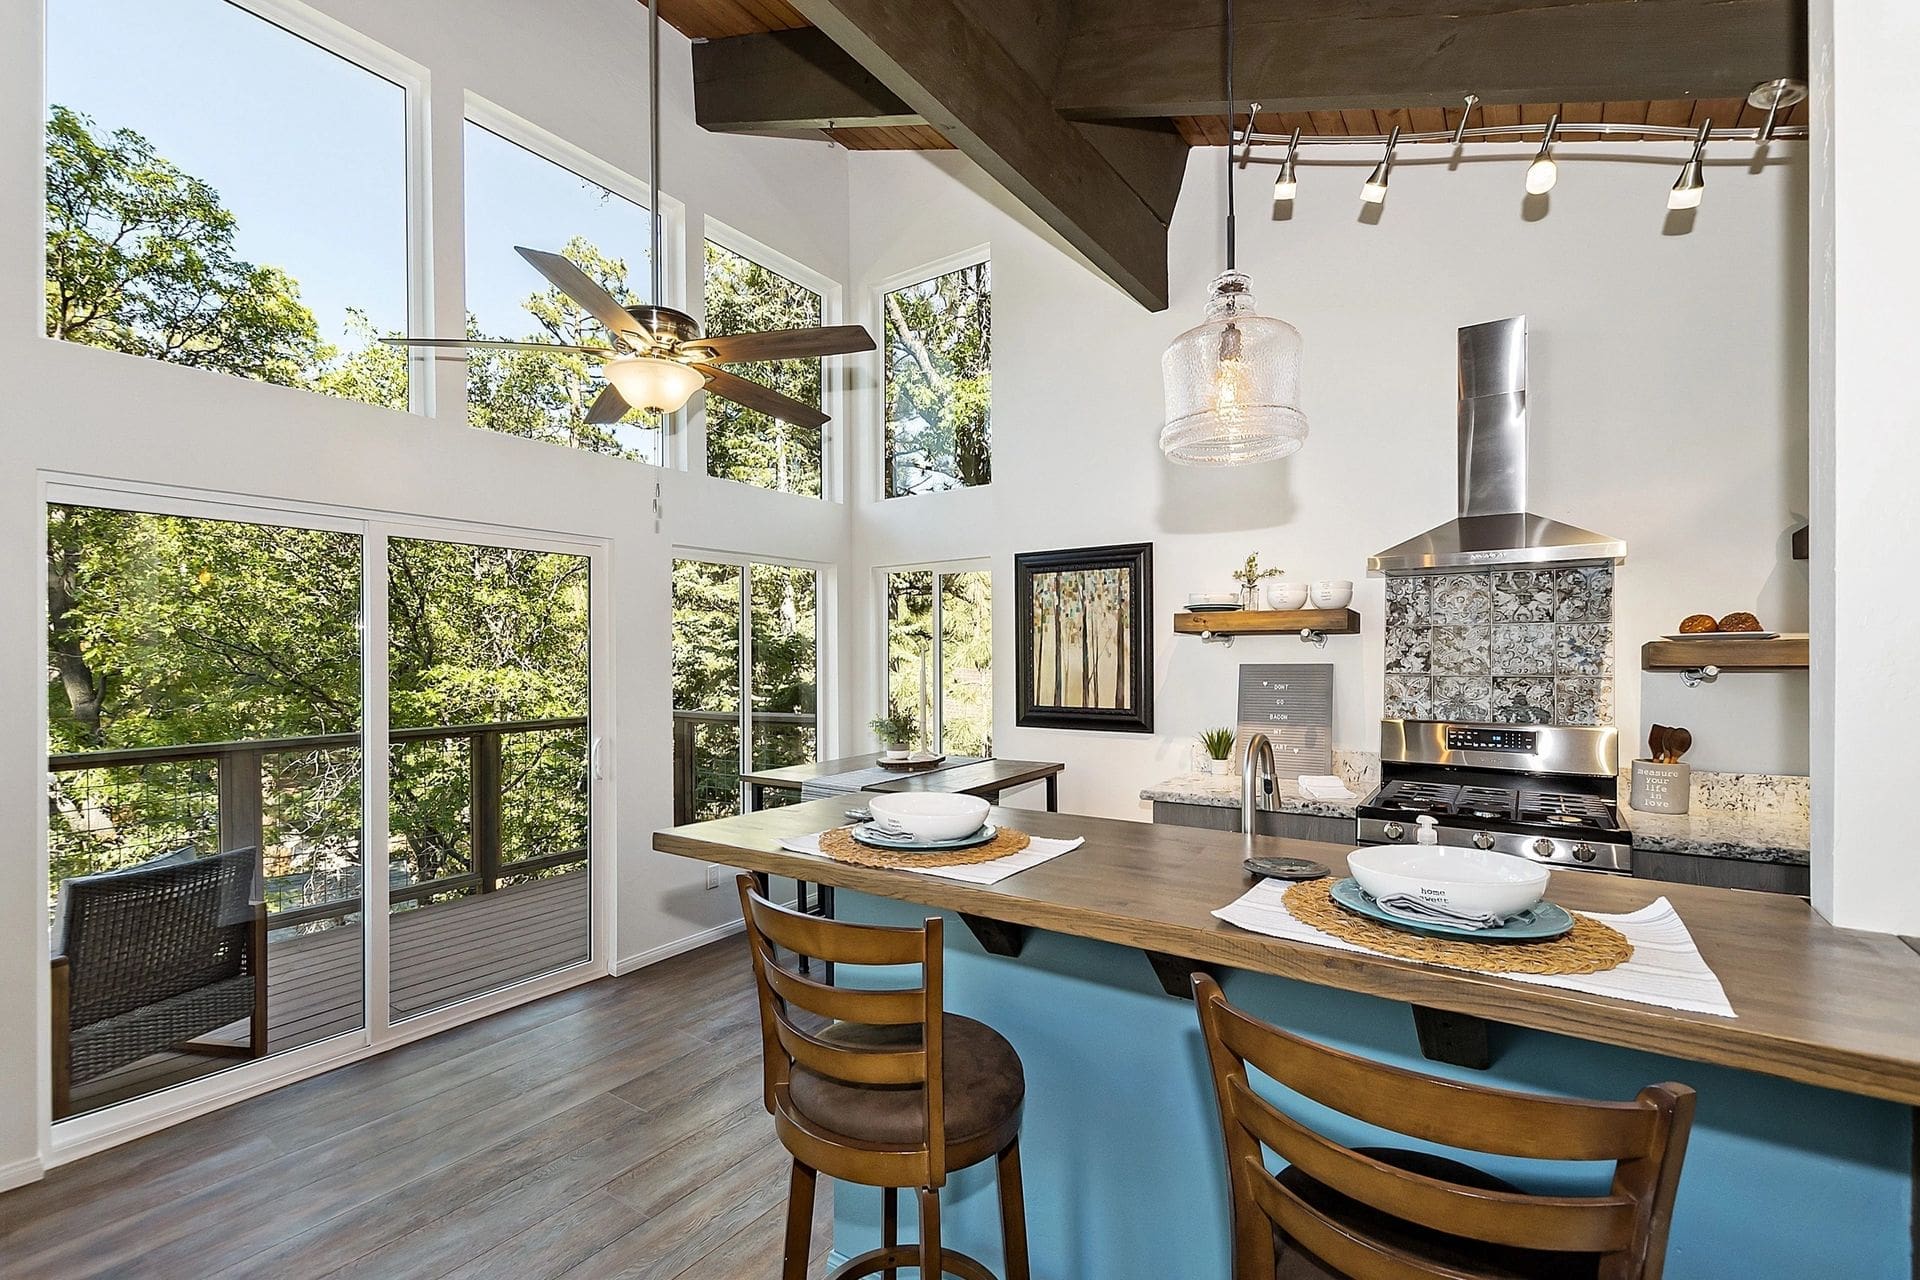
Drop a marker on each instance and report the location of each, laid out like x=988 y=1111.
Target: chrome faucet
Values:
x=1252 y=790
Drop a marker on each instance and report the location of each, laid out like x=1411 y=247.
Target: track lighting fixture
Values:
x=1288 y=183
x=1691 y=184
x=1375 y=191
x=1543 y=172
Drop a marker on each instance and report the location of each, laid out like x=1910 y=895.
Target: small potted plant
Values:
x=1218 y=744
x=896 y=731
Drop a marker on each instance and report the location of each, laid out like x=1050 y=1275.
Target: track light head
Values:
x=1287 y=185
x=1692 y=183
x=1543 y=172
x=1375 y=190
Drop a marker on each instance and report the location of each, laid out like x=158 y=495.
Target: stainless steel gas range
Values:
x=1545 y=792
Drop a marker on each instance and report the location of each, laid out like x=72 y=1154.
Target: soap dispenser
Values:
x=1429 y=830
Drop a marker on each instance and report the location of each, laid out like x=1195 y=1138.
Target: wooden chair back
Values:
x=1626 y=1227
x=794 y=1008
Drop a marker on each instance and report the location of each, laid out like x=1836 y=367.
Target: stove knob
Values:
x=1585 y=852
x=1483 y=839
x=1393 y=831
x=1543 y=847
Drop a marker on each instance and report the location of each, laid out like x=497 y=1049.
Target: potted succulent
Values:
x=1218 y=744
x=896 y=731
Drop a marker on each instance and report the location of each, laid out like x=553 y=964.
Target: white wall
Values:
x=71 y=409
x=1668 y=407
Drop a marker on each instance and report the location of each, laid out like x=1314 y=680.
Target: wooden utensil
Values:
x=1657 y=743
x=1679 y=742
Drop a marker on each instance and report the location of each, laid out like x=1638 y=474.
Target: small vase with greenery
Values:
x=1218 y=744
x=896 y=731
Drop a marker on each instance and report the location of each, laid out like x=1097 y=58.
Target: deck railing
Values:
x=688 y=775
x=240 y=795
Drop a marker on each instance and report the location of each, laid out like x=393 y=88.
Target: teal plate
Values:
x=1538 y=923
x=866 y=834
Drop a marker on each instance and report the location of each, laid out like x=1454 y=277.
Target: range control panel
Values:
x=1517 y=741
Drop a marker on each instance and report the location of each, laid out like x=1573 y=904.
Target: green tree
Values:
x=140 y=259
x=742 y=444
x=939 y=383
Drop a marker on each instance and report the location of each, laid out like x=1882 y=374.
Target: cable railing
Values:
x=232 y=808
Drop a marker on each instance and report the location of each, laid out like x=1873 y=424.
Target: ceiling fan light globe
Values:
x=654 y=384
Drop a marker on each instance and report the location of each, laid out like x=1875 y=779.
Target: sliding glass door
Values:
x=489 y=779
x=214 y=841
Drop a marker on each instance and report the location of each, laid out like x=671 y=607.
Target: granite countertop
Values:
x=1222 y=791
x=1752 y=816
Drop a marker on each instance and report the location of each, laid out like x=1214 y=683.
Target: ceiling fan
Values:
x=657 y=358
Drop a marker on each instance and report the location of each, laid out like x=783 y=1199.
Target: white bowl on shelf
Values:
x=1473 y=881
x=929 y=815
x=1331 y=594
x=1286 y=596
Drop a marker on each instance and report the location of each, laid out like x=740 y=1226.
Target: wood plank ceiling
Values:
x=719 y=19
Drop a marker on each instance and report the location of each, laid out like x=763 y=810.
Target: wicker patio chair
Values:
x=150 y=958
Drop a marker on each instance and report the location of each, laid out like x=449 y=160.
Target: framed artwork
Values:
x=1083 y=621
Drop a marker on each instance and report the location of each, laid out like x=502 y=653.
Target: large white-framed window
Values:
x=525 y=186
x=236 y=186
x=244 y=764
x=751 y=286
x=750 y=674
x=938 y=639
x=935 y=333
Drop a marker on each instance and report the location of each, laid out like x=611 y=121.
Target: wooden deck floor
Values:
x=613 y=1130
x=441 y=954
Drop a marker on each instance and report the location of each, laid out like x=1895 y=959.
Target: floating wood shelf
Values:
x=1788 y=653
x=1268 y=622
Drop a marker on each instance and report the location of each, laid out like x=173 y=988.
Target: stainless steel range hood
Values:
x=1494 y=526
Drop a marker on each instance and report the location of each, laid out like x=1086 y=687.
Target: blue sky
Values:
x=308 y=150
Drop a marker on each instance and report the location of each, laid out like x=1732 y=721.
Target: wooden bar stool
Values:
x=1374 y=1213
x=882 y=1088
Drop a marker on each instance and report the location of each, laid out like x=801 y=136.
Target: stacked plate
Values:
x=1213 y=602
x=925 y=821
x=1452 y=893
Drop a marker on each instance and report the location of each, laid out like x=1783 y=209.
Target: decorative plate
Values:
x=867 y=833
x=912 y=762
x=1725 y=635
x=1213 y=608
x=1537 y=923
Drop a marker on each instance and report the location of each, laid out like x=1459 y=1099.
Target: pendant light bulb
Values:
x=1543 y=172
x=1692 y=182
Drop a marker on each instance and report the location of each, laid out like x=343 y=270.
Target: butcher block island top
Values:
x=1824 y=1006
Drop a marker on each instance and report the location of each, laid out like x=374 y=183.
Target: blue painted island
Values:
x=1801 y=1159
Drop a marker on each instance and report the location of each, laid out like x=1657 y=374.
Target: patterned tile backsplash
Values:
x=1510 y=646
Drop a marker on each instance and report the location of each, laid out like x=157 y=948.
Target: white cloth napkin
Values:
x=1666 y=968
x=1406 y=904
x=1036 y=852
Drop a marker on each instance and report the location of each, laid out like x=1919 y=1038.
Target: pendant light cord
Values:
x=1230 y=52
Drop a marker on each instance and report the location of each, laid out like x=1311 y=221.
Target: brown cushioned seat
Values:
x=984 y=1085
x=1495 y=1262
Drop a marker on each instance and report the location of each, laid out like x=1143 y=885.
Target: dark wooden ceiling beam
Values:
x=786 y=80
x=961 y=79
x=1132 y=58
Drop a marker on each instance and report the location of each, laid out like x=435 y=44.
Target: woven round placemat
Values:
x=1591 y=947
x=840 y=845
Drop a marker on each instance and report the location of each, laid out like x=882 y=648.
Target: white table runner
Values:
x=1036 y=852
x=1666 y=968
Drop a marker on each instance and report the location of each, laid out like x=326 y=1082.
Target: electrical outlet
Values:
x=713 y=875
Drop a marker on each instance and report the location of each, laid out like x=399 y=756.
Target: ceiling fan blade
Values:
x=789 y=344
x=499 y=344
x=608 y=406
x=763 y=399
x=579 y=286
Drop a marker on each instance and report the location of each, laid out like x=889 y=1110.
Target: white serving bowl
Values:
x=1475 y=881
x=1332 y=594
x=930 y=815
x=1287 y=596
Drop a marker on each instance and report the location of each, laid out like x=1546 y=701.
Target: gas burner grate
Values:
x=1419 y=797
x=1485 y=802
x=1565 y=809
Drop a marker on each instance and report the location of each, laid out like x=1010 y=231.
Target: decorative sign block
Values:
x=1292 y=703
x=1660 y=788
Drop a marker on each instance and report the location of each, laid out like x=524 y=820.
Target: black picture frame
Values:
x=1134 y=638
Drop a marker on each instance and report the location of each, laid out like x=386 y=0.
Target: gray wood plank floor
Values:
x=613 y=1130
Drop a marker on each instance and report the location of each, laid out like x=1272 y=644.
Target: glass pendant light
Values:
x=654 y=384
x=1232 y=382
